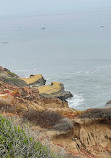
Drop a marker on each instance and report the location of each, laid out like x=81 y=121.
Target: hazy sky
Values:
x=34 y=7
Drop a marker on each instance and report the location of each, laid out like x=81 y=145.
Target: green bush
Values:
x=14 y=143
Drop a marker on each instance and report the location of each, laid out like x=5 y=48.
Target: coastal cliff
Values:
x=83 y=134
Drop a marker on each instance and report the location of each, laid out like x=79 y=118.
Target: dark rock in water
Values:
x=65 y=95
x=108 y=103
x=10 y=78
x=64 y=125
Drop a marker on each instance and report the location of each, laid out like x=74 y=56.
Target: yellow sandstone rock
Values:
x=55 y=87
x=32 y=79
x=35 y=80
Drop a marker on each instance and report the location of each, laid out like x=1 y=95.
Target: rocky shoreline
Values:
x=85 y=134
x=55 y=89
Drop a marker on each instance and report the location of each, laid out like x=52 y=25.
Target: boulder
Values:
x=11 y=78
x=65 y=95
x=108 y=103
x=35 y=80
x=56 y=89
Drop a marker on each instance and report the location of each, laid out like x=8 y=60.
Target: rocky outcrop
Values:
x=108 y=103
x=11 y=78
x=35 y=80
x=56 y=89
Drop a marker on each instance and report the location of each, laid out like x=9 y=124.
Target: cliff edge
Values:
x=11 y=78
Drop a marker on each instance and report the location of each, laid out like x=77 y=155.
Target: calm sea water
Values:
x=73 y=48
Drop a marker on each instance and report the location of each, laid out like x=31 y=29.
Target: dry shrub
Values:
x=97 y=113
x=8 y=104
x=5 y=103
x=45 y=119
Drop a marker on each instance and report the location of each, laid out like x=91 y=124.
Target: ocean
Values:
x=73 y=48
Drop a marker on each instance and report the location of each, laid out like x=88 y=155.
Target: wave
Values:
x=76 y=102
x=106 y=67
x=22 y=70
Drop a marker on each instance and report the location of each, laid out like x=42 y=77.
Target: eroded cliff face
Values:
x=91 y=135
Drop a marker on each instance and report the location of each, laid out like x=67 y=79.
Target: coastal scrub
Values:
x=14 y=143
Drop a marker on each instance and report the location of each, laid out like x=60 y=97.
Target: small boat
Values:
x=102 y=26
x=43 y=28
